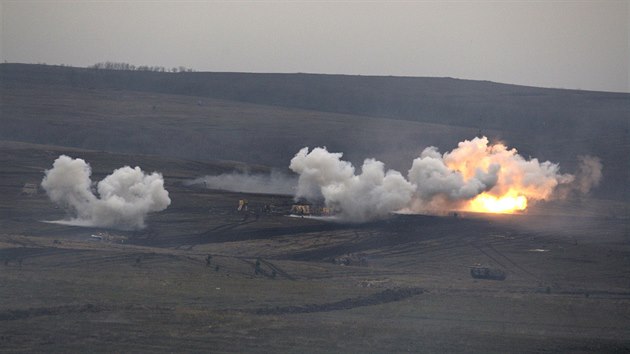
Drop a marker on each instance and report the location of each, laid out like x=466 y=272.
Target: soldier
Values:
x=208 y=260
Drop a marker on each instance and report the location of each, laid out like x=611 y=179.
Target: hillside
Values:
x=477 y=104
x=266 y=118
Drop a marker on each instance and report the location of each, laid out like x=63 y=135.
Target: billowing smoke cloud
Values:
x=272 y=183
x=433 y=178
x=475 y=176
x=373 y=193
x=493 y=178
x=124 y=198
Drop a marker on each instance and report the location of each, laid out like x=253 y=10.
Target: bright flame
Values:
x=477 y=176
x=518 y=180
x=506 y=204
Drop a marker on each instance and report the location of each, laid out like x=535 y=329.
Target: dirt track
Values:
x=383 y=297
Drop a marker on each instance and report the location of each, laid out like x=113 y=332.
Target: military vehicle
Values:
x=487 y=273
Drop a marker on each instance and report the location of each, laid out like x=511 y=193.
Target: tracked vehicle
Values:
x=487 y=273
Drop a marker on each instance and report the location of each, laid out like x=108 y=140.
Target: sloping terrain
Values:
x=176 y=125
x=266 y=118
x=279 y=284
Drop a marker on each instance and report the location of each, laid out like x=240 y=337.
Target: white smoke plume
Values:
x=484 y=177
x=124 y=198
x=475 y=176
x=272 y=183
x=372 y=194
x=433 y=177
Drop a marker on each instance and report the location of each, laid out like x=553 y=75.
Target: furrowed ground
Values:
x=400 y=284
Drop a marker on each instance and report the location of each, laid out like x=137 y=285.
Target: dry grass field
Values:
x=567 y=287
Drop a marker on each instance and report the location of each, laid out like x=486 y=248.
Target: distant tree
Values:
x=110 y=65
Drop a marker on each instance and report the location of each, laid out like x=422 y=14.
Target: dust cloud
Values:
x=271 y=183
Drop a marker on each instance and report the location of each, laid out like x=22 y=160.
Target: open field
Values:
x=407 y=286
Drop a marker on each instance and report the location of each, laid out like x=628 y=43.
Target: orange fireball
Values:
x=507 y=204
x=518 y=180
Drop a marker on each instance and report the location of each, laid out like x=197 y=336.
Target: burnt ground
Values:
x=406 y=285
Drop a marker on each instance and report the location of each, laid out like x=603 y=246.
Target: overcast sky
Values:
x=568 y=44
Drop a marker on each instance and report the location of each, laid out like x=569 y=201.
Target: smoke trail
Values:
x=588 y=176
x=124 y=198
x=475 y=176
x=589 y=173
x=273 y=183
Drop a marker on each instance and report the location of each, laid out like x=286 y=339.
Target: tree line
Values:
x=111 y=65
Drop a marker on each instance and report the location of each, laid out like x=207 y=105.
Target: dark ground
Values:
x=567 y=286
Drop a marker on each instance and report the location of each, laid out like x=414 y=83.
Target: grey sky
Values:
x=570 y=44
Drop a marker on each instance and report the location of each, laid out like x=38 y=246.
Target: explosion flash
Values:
x=476 y=176
x=518 y=180
x=507 y=204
